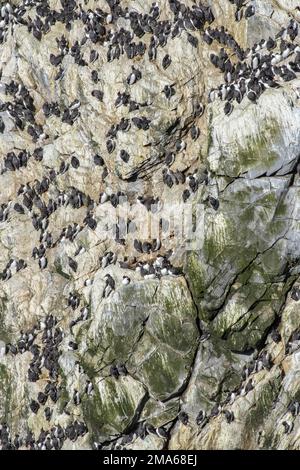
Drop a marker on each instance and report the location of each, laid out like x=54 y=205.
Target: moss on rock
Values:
x=112 y=406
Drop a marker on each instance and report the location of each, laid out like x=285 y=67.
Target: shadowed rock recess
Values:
x=110 y=338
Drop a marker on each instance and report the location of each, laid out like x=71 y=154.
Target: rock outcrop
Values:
x=149 y=224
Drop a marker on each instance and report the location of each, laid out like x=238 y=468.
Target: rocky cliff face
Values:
x=118 y=116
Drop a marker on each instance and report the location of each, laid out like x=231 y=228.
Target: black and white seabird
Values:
x=183 y=418
x=134 y=76
x=126 y=280
x=166 y=62
x=109 y=285
x=76 y=398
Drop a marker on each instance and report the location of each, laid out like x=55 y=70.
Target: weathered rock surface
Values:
x=212 y=332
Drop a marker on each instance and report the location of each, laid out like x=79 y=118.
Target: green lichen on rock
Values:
x=64 y=396
x=249 y=333
x=160 y=414
x=5 y=393
x=4 y=332
x=164 y=354
x=142 y=325
x=118 y=321
x=180 y=342
x=113 y=405
x=163 y=370
x=250 y=309
x=59 y=269
x=256 y=150
x=237 y=306
x=243 y=245
x=257 y=415
x=194 y=272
